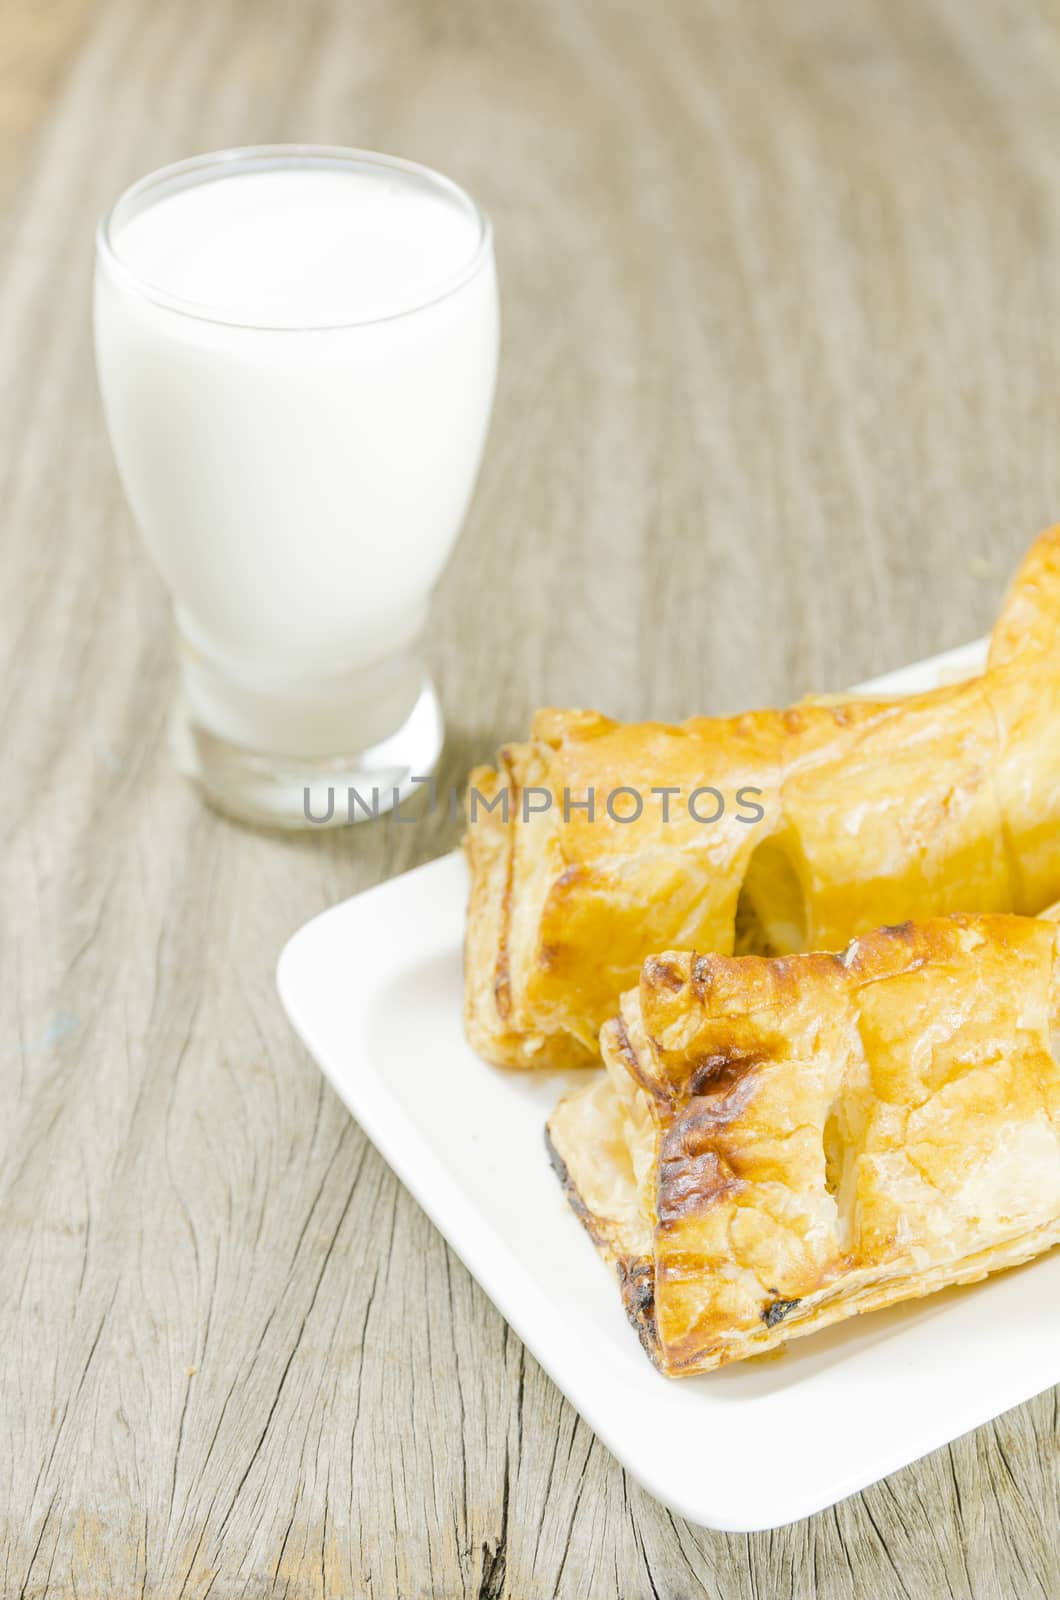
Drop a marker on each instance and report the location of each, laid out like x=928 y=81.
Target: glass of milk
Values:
x=297 y=348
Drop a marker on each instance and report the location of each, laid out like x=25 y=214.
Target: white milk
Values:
x=297 y=354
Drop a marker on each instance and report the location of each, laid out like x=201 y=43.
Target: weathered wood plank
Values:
x=779 y=408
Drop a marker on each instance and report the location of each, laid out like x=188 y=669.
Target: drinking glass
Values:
x=299 y=453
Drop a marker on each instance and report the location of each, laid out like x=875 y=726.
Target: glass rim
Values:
x=224 y=163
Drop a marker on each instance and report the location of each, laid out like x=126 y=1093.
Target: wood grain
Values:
x=780 y=406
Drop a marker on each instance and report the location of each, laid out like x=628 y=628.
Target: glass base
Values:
x=301 y=792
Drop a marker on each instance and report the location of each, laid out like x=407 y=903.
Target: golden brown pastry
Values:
x=778 y=1144
x=836 y=817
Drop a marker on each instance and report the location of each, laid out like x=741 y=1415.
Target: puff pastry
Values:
x=864 y=812
x=781 y=1143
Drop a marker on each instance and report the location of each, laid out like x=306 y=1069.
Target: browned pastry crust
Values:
x=779 y=1144
x=871 y=811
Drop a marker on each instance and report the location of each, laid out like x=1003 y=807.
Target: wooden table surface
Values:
x=779 y=408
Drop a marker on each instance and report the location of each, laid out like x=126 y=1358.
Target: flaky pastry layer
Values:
x=778 y=1144
x=837 y=817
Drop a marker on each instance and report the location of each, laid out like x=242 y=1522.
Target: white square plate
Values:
x=374 y=988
